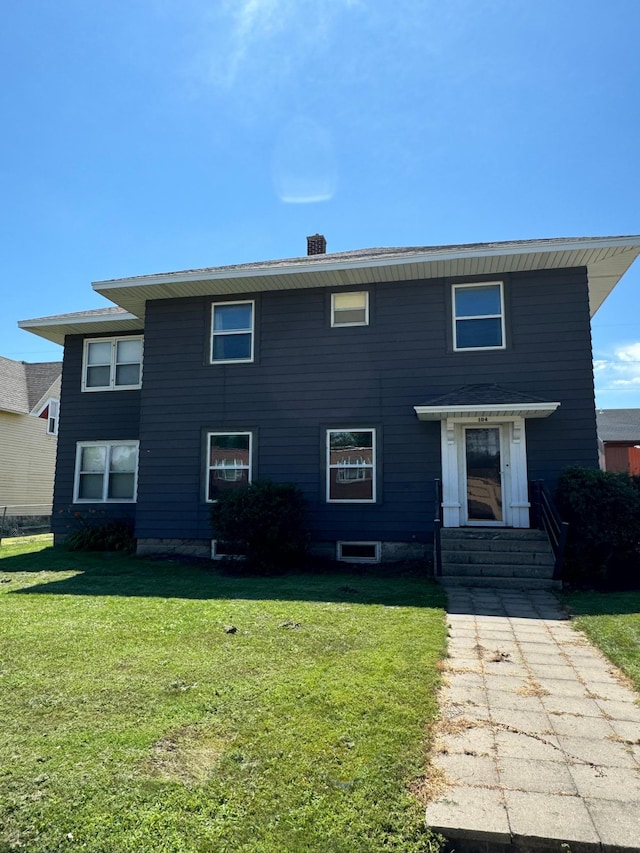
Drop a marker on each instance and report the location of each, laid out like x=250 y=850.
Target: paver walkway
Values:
x=539 y=738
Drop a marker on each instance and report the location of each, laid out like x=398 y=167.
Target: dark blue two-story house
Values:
x=361 y=376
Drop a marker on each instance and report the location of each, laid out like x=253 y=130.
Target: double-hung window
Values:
x=112 y=364
x=478 y=316
x=351 y=466
x=350 y=309
x=232 y=332
x=106 y=472
x=228 y=462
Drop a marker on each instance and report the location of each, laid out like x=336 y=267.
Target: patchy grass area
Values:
x=611 y=620
x=134 y=718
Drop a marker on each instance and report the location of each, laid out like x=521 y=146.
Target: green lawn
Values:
x=611 y=620
x=133 y=721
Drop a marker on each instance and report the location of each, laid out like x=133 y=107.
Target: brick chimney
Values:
x=316 y=245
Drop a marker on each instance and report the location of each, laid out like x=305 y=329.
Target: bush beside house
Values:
x=603 y=511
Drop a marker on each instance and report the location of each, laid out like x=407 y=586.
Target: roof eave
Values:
x=132 y=293
x=526 y=410
x=56 y=329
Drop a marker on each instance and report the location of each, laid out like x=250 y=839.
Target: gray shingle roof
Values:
x=366 y=254
x=23 y=384
x=483 y=395
x=619 y=425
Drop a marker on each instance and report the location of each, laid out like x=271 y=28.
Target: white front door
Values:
x=484 y=472
x=484 y=485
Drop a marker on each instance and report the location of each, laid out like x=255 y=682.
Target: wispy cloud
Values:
x=239 y=36
x=619 y=369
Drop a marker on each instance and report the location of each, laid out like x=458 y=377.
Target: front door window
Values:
x=483 y=475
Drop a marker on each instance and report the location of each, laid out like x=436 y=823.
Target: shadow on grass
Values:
x=107 y=574
x=591 y=603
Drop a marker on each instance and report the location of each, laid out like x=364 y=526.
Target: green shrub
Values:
x=110 y=536
x=265 y=521
x=603 y=511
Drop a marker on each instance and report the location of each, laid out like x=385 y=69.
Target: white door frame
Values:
x=515 y=493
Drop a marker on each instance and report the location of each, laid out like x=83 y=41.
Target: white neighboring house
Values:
x=29 y=410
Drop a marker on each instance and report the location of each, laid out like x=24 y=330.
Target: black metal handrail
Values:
x=437 y=527
x=545 y=516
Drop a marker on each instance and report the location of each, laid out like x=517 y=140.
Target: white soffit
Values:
x=92 y=323
x=506 y=410
x=606 y=258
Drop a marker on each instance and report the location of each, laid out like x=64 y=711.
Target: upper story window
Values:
x=106 y=472
x=112 y=364
x=232 y=331
x=478 y=316
x=351 y=466
x=228 y=462
x=350 y=309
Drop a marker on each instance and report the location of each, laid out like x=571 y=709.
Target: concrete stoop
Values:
x=497 y=557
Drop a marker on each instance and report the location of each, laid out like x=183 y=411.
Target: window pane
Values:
x=93 y=459
x=351 y=448
x=99 y=353
x=129 y=351
x=124 y=457
x=98 y=377
x=231 y=481
x=232 y=441
x=121 y=486
x=229 y=347
x=357 y=315
x=351 y=490
x=342 y=301
x=479 y=333
x=231 y=317
x=475 y=301
x=90 y=487
x=128 y=374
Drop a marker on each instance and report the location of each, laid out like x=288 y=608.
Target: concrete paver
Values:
x=539 y=739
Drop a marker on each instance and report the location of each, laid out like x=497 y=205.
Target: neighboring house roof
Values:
x=619 y=425
x=606 y=260
x=23 y=385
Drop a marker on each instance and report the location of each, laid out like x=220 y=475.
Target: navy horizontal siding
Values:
x=309 y=377
x=88 y=416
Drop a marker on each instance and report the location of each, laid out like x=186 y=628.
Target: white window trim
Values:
x=105 y=484
x=333 y=309
x=209 y=468
x=372 y=466
x=455 y=318
x=251 y=331
x=341 y=559
x=112 y=367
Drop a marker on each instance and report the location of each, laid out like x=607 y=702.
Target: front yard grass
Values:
x=134 y=718
x=611 y=620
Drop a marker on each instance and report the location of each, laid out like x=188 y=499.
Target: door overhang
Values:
x=478 y=405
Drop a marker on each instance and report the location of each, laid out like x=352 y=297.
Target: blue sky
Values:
x=150 y=135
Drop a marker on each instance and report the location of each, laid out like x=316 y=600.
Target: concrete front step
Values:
x=517 y=558
x=536 y=557
x=475 y=569
x=500 y=583
x=497 y=533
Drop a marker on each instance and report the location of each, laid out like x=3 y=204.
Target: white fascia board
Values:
x=525 y=247
x=74 y=319
x=531 y=410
